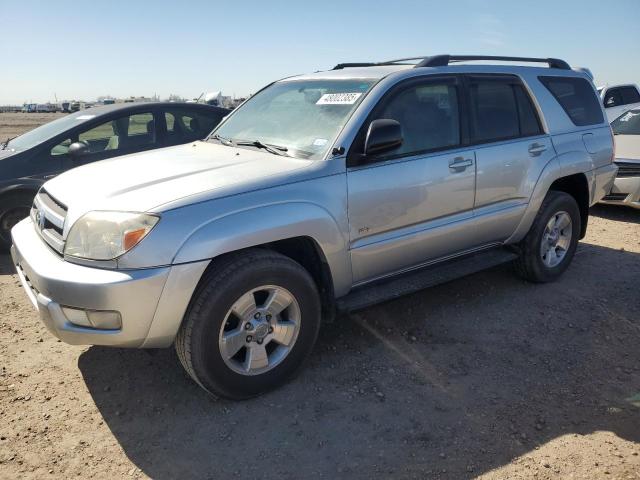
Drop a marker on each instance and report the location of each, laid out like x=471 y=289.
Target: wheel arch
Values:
x=577 y=186
x=569 y=173
x=305 y=232
x=19 y=188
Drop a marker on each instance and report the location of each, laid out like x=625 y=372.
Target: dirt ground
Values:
x=486 y=377
x=12 y=124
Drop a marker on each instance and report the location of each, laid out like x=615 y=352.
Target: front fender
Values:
x=21 y=185
x=270 y=223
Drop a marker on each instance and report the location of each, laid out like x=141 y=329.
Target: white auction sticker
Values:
x=339 y=98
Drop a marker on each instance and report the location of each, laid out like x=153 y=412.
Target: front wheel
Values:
x=548 y=248
x=251 y=324
x=13 y=208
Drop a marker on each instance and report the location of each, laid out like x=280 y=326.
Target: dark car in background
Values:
x=86 y=136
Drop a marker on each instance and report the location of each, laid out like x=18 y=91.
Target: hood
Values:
x=7 y=153
x=146 y=181
x=627 y=147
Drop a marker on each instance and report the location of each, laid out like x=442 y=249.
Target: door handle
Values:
x=459 y=164
x=536 y=149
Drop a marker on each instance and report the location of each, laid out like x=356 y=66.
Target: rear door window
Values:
x=577 y=98
x=529 y=121
x=184 y=125
x=629 y=95
x=501 y=109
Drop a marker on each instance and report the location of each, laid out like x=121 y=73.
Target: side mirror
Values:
x=383 y=135
x=77 y=149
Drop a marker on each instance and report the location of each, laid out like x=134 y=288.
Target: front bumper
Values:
x=625 y=191
x=52 y=283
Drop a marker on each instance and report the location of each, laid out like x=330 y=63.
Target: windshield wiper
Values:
x=275 y=149
x=223 y=140
x=5 y=144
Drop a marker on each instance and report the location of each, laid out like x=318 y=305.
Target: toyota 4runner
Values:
x=321 y=193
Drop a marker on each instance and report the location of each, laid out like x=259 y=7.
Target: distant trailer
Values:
x=46 y=108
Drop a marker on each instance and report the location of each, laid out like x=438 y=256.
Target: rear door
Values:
x=413 y=204
x=184 y=125
x=511 y=150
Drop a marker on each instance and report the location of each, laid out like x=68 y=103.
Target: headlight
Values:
x=107 y=235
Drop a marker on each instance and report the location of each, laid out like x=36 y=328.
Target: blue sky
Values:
x=81 y=50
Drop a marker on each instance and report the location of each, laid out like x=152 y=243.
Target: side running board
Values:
x=413 y=281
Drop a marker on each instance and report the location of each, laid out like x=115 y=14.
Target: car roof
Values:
x=380 y=72
x=374 y=73
x=439 y=64
x=115 y=107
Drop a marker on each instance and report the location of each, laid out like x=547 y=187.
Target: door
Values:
x=184 y=125
x=511 y=151
x=413 y=204
x=122 y=135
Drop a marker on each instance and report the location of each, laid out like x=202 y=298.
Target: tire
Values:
x=14 y=208
x=209 y=318
x=532 y=264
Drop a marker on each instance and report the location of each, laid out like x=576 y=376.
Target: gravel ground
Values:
x=485 y=377
x=12 y=124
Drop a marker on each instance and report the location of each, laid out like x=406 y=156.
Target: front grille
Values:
x=48 y=215
x=616 y=197
x=628 y=169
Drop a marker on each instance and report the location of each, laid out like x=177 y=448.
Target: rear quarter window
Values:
x=577 y=98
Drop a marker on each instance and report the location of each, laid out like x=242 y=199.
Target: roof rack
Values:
x=399 y=61
x=444 y=60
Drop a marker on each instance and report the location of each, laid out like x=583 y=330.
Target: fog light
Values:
x=101 y=319
x=107 y=320
x=77 y=317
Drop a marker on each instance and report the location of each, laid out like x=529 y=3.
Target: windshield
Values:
x=301 y=117
x=627 y=124
x=48 y=130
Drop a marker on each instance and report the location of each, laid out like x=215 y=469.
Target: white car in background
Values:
x=618 y=99
x=626 y=188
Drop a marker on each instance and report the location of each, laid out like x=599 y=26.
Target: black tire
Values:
x=13 y=208
x=227 y=279
x=529 y=264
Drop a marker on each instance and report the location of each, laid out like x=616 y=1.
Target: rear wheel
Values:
x=548 y=248
x=13 y=208
x=251 y=324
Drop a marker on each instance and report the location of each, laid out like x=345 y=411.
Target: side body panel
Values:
x=507 y=175
x=573 y=158
x=396 y=207
x=316 y=209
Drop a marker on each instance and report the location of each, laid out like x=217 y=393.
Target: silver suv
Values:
x=321 y=193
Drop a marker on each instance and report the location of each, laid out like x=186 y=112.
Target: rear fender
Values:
x=561 y=166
